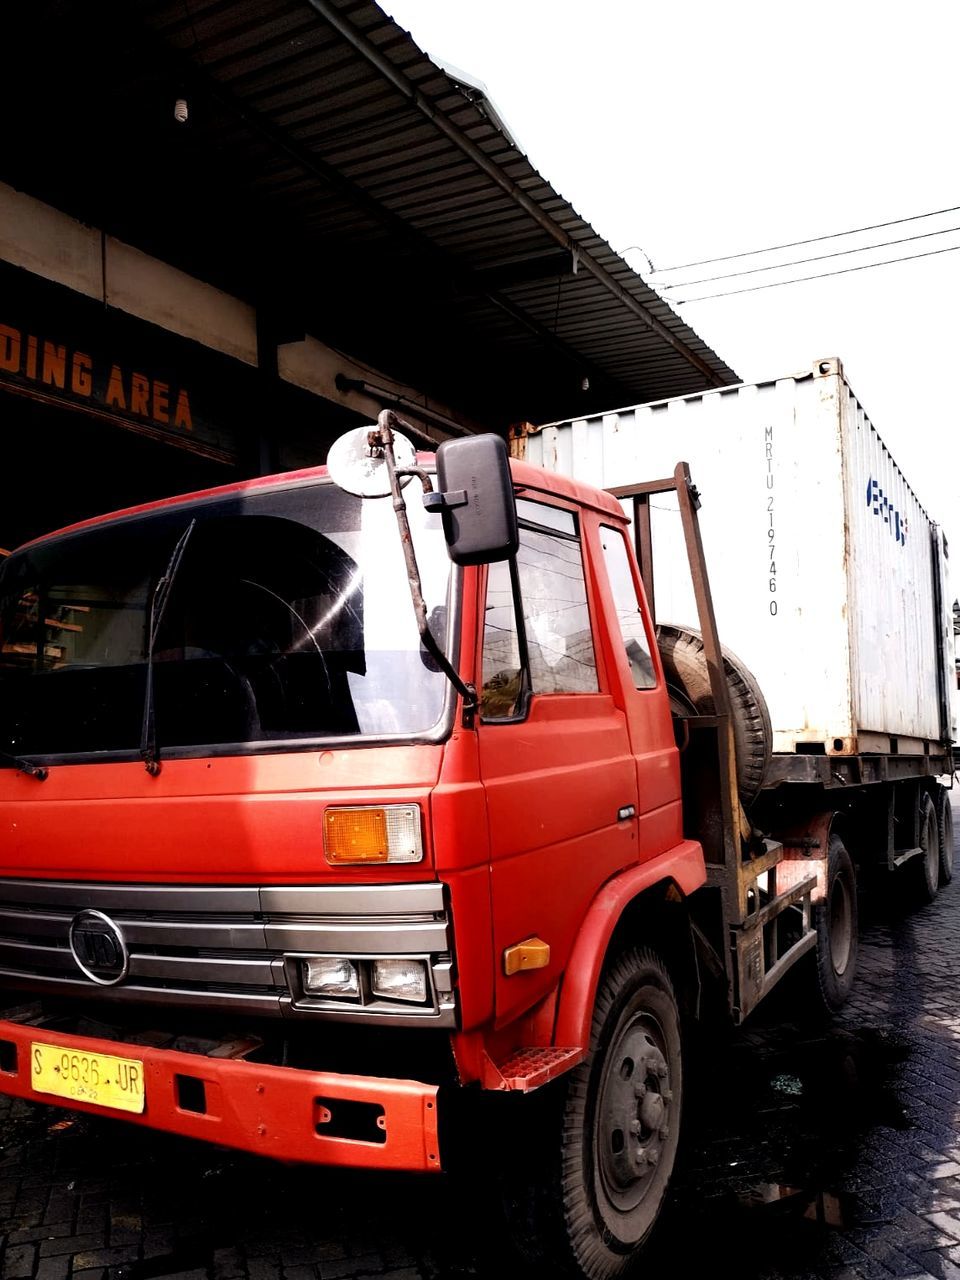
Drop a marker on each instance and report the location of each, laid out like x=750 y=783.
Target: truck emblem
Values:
x=98 y=948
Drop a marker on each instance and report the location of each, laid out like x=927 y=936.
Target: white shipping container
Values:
x=827 y=575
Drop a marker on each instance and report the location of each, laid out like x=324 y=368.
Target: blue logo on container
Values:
x=884 y=508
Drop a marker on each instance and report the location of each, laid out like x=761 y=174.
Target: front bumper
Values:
x=282 y=1112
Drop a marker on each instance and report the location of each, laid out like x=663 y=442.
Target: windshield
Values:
x=289 y=618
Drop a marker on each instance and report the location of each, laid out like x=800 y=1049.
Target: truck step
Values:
x=530 y=1068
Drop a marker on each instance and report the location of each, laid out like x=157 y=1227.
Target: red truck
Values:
x=289 y=865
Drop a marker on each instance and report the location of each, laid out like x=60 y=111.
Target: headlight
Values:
x=366 y=833
x=397 y=978
x=330 y=976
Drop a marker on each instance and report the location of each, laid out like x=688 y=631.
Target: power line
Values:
x=641 y=249
x=799 y=262
x=795 y=244
x=823 y=275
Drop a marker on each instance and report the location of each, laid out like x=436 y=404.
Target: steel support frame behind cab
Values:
x=761 y=943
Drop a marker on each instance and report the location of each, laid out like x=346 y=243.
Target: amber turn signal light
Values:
x=371 y=834
x=533 y=953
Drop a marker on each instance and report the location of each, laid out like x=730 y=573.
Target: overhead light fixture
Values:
x=181 y=111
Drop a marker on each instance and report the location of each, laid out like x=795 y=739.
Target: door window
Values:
x=627 y=605
x=537 y=634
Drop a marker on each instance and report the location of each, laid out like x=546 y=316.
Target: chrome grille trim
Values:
x=365 y=939
x=354 y=899
x=334 y=899
x=76 y=895
x=233 y=947
x=241 y=1001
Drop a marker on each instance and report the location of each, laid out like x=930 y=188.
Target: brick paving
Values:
x=829 y=1153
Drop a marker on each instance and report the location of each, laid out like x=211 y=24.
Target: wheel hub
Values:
x=634 y=1114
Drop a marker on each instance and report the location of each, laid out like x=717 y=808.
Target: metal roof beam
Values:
x=331 y=14
x=443 y=266
x=545 y=267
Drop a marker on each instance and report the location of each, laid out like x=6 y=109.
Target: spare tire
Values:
x=688 y=682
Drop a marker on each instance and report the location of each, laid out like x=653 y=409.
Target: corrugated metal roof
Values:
x=325 y=140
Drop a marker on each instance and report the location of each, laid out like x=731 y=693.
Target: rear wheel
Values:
x=945 y=833
x=614 y=1132
x=924 y=868
x=835 y=920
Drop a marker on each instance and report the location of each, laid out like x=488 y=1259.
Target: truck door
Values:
x=636 y=678
x=555 y=757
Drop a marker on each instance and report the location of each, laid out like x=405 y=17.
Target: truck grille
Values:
x=226 y=947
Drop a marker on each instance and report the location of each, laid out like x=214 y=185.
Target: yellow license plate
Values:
x=99 y=1078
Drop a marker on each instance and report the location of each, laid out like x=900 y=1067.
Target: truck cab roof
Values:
x=525 y=476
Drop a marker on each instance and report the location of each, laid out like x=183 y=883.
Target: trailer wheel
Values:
x=835 y=920
x=688 y=681
x=924 y=868
x=613 y=1137
x=945 y=832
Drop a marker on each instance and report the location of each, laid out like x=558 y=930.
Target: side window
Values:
x=627 y=606
x=502 y=682
x=549 y=649
x=556 y=619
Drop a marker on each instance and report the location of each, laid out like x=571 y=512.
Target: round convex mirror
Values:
x=362 y=471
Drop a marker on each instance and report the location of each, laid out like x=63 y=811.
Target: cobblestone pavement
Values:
x=810 y=1154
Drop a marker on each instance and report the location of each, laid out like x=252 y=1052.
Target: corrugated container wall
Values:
x=825 y=569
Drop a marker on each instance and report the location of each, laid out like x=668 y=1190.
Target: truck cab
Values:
x=279 y=874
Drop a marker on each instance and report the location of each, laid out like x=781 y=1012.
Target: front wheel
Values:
x=616 y=1130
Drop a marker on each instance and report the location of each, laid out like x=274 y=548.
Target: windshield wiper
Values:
x=149 y=750
x=25 y=766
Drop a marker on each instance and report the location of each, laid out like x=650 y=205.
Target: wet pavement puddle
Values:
x=775 y=1128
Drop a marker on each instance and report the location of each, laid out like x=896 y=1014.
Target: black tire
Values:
x=945 y=835
x=613 y=1133
x=923 y=870
x=835 y=920
x=688 y=681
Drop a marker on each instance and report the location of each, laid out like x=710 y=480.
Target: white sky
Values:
x=701 y=128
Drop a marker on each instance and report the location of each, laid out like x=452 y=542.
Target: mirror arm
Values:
x=382 y=439
x=421 y=475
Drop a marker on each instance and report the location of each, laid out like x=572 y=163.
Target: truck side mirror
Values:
x=476 y=500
